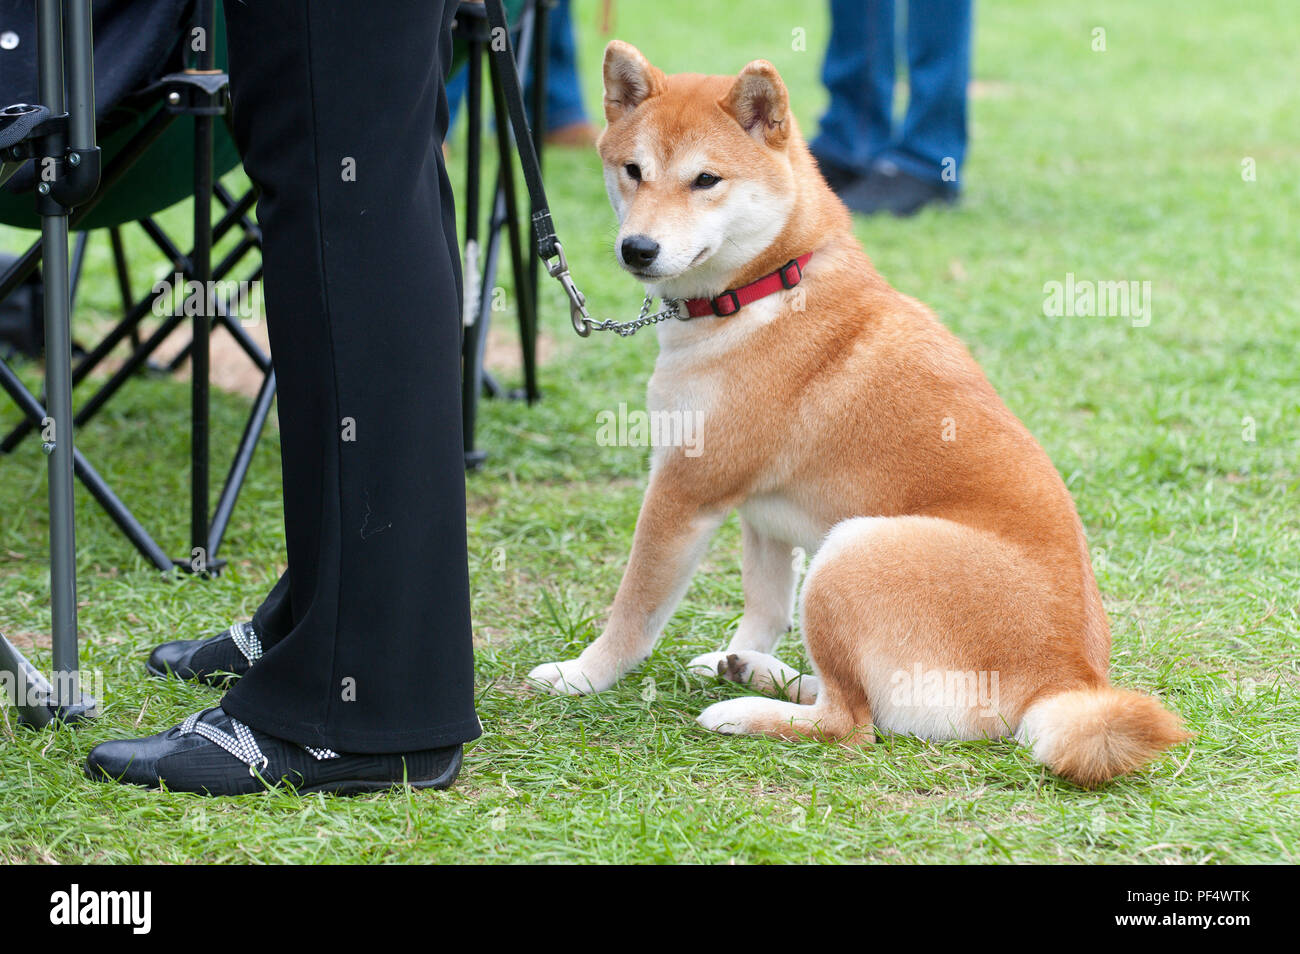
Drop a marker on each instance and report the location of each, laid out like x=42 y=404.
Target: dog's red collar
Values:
x=734 y=299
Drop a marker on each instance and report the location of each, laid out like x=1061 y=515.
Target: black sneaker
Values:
x=212 y=753
x=889 y=189
x=217 y=660
x=838 y=177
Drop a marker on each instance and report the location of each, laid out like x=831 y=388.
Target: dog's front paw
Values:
x=568 y=678
x=730 y=666
x=733 y=717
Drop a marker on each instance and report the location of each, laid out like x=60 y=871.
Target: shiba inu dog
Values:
x=950 y=594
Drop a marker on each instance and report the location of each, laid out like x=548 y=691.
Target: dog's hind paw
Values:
x=735 y=716
x=566 y=678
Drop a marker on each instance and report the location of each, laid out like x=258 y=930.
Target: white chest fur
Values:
x=780 y=517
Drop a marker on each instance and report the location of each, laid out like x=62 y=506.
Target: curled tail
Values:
x=1091 y=735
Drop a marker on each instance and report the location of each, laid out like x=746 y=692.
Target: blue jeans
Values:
x=563 y=91
x=858 y=129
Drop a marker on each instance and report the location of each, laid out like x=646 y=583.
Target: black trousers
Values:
x=340 y=112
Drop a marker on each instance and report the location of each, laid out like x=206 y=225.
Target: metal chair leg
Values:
x=60 y=45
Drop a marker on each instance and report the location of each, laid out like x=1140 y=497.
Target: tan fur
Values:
x=823 y=405
x=1091 y=735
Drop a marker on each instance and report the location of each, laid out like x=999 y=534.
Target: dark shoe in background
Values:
x=216 y=660
x=837 y=176
x=889 y=189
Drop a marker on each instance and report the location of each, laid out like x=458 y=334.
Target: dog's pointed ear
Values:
x=629 y=80
x=759 y=102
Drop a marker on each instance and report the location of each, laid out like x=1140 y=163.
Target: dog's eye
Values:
x=705 y=180
x=633 y=171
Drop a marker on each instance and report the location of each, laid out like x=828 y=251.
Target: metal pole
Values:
x=471 y=378
x=506 y=183
x=77 y=47
x=202 y=324
x=57 y=427
x=528 y=318
x=67 y=173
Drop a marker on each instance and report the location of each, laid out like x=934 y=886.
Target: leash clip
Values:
x=558 y=268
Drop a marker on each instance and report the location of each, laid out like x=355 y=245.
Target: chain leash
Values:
x=584 y=324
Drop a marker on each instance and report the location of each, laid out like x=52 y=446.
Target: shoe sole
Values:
x=366 y=786
x=344 y=786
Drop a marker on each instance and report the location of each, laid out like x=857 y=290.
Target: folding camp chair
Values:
x=162 y=141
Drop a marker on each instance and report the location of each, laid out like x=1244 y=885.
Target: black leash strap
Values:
x=548 y=243
x=503 y=51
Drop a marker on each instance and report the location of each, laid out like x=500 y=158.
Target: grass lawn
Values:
x=1178 y=439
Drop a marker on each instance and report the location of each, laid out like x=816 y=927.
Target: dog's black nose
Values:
x=639 y=251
